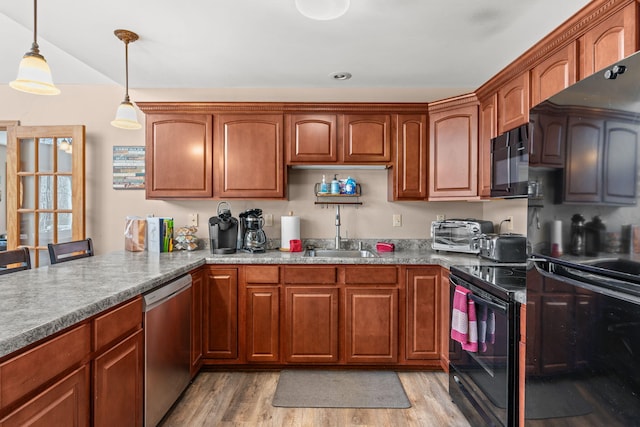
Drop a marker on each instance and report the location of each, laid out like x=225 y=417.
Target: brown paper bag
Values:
x=134 y=233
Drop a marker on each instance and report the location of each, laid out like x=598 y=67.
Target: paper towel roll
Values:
x=289 y=230
x=556 y=237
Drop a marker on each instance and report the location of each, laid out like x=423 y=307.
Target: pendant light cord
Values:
x=126 y=72
x=35 y=49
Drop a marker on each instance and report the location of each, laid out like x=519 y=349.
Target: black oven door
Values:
x=483 y=382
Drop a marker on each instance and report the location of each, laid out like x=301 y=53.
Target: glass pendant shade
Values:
x=34 y=76
x=322 y=10
x=126 y=117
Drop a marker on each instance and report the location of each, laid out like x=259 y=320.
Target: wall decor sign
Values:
x=128 y=167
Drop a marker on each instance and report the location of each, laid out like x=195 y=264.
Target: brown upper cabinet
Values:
x=453 y=149
x=338 y=138
x=248 y=153
x=611 y=40
x=179 y=156
x=408 y=177
x=513 y=103
x=487 y=129
x=311 y=138
x=553 y=74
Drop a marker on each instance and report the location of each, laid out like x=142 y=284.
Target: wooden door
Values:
x=179 y=156
x=488 y=129
x=453 y=152
x=45 y=187
x=118 y=384
x=423 y=317
x=555 y=340
x=555 y=73
x=367 y=138
x=513 y=103
x=248 y=152
x=263 y=323
x=611 y=40
x=63 y=404
x=311 y=324
x=371 y=325
x=548 y=141
x=221 y=313
x=408 y=177
x=312 y=138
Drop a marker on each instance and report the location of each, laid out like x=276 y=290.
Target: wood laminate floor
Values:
x=244 y=399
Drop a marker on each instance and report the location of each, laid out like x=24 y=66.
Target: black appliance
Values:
x=509 y=163
x=483 y=383
x=223 y=231
x=583 y=308
x=253 y=237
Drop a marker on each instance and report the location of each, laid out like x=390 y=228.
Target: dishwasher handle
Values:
x=166 y=292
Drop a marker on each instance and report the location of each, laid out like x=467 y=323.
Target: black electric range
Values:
x=501 y=280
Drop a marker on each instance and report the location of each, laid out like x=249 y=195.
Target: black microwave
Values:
x=510 y=163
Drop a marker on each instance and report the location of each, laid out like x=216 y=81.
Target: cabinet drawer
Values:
x=117 y=323
x=262 y=274
x=30 y=370
x=371 y=275
x=310 y=275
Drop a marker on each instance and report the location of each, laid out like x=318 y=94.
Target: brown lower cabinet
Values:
x=323 y=314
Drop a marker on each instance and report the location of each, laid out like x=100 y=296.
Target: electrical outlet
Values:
x=268 y=220
x=440 y=217
x=510 y=222
x=397 y=220
x=193 y=219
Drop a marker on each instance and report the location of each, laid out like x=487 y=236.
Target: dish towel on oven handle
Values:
x=464 y=325
x=486 y=327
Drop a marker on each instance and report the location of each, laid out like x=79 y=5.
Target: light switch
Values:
x=397 y=220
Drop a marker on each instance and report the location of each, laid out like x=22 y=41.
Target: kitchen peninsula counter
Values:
x=38 y=303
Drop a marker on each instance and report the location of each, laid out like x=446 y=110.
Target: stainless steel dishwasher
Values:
x=167 y=326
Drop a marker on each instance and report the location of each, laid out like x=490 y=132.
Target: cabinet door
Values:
x=423 y=317
x=408 y=176
x=312 y=138
x=179 y=156
x=547 y=143
x=453 y=153
x=311 y=324
x=65 y=403
x=583 y=176
x=371 y=325
x=620 y=163
x=197 y=278
x=249 y=156
x=221 y=313
x=488 y=128
x=117 y=385
x=555 y=340
x=611 y=40
x=263 y=324
x=445 y=322
x=367 y=138
x=555 y=73
x=513 y=103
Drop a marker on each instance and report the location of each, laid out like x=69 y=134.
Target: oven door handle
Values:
x=494 y=306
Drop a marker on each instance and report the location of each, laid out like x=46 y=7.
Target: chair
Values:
x=14 y=260
x=68 y=251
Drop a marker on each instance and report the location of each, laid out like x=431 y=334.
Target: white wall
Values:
x=94 y=107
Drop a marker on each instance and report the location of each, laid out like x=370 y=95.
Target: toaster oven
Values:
x=459 y=235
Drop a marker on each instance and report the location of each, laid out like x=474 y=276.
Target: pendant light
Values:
x=322 y=10
x=126 y=117
x=34 y=74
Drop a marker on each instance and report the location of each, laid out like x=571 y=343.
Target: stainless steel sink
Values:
x=339 y=253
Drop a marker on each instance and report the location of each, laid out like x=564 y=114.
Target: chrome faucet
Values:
x=338 y=227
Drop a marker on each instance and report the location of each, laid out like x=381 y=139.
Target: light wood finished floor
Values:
x=244 y=399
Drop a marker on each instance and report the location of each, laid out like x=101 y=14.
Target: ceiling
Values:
x=446 y=46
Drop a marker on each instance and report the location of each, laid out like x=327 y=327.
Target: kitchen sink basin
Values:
x=339 y=253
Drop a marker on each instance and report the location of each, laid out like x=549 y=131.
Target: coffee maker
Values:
x=223 y=230
x=252 y=238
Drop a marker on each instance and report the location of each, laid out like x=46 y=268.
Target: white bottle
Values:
x=323 y=185
x=335 y=185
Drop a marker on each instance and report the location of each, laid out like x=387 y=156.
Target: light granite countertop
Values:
x=37 y=303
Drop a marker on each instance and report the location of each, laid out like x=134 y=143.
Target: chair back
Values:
x=68 y=251
x=14 y=260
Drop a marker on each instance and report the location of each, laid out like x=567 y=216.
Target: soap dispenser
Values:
x=323 y=185
x=335 y=185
